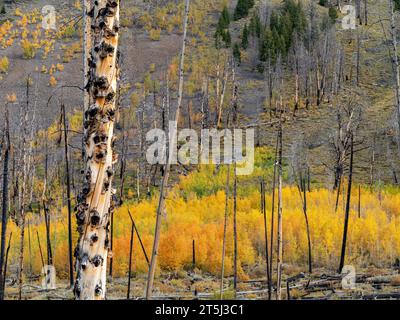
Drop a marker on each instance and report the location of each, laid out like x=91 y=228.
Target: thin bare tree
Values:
x=4 y=214
x=280 y=222
x=347 y=215
x=164 y=184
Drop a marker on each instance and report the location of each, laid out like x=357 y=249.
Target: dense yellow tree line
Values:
x=195 y=211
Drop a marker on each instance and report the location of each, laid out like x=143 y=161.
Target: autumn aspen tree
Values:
x=96 y=200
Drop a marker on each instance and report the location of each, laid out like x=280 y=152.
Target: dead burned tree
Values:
x=165 y=179
x=280 y=224
x=348 y=120
x=264 y=213
x=395 y=58
x=235 y=235
x=3 y=287
x=225 y=231
x=130 y=256
x=4 y=218
x=271 y=253
x=24 y=177
x=302 y=180
x=87 y=47
x=96 y=201
x=307 y=226
x=68 y=180
x=347 y=216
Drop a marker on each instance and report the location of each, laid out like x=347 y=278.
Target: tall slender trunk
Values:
x=225 y=231
x=305 y=208
x=396 y=59
x=235 y=233
x=267 y=262
x=347 y=216
x=280 y=224
x=87 y=47
x=3 y=287
x=4 y=217
x=271 y=253
x=96 y=200
x=67 y=173
x=128 y=296
x=25 y=167
x=172 y=147
x=358 y=62
x=48 y=240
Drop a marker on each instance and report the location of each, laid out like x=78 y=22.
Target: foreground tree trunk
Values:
x=96 y=201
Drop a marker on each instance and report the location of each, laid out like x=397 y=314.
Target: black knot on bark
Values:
x=110 y=96
x=76 y=252
x=101 y=83
x=85 y=189
x=112 y=3
x=93 y=111
x=100 y=138
x=80 y=218
x=101 y=155
x=97 y=261
x=110 y=172
x=77 y=290
x=94 y=218
x=98 y=290
x=94 y=238
x=111 y=114
x=84 y=261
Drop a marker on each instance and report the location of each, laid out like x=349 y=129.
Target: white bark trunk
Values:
x=96 y=199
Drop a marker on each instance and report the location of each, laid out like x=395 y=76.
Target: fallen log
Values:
x=382 y=296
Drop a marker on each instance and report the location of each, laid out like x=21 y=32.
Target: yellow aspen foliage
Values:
x=53 y=81
x=4 y=64
x=29 y=49
x=373 y=239
x=78 y=5
x=11 y=98
x=155 y=34
x=18 y=12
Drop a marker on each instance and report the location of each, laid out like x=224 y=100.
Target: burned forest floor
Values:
x=367 y=284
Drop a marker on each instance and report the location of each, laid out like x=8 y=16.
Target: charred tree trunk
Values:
x=3 y=287
x=347 y=216
x=96 y=200
x=40 y=249
x=235 y=235
x=128 y=296
x=280 y=224
x=225 y=231
x=271 y=253
x=4 y=212
x=267 y=262
x=68 y=180
x=48 y=240
x=172 y=147
x=395 y=57
x=307 y=226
